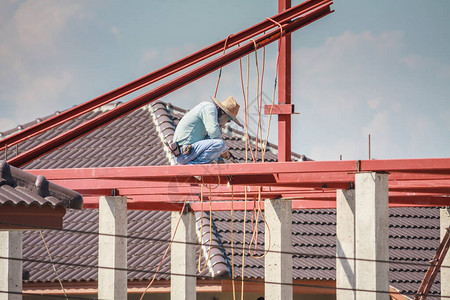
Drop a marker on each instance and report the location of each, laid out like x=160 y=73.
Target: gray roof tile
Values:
x=19 y=188
x=135 y=140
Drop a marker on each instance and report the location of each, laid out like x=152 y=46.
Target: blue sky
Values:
x=372 y=67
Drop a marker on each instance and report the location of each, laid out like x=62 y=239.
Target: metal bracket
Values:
x=279 y=109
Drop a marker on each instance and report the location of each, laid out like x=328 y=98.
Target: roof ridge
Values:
x=218 y=263
x=164 y=125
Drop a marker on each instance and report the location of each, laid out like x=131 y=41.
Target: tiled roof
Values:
x=413 y=241
x=19 y=188
x=135 y=140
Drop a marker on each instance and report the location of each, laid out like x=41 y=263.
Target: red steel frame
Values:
x=424 y=182
x=310 y=15
x=433 y=269
x=311 y=184
x=285 y=17
x=284 y=91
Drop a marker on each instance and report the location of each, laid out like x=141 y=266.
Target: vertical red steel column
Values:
x=284 y=91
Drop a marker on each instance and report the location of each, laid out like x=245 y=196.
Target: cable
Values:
x=45 y=296
x=297 y=254
x=212 y=278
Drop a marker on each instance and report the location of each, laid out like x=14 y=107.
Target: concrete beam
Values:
x=345 y=245
x=11 y=269
x=445 y=267
x=112 y=249
x=278 y=266
x=371 y=236
x=183 y=282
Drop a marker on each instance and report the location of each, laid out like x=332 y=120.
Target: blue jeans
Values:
x=203 y=152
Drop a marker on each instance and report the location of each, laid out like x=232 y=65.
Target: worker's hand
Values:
x=226 y=154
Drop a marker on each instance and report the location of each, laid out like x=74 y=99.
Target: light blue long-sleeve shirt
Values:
x=199 y=123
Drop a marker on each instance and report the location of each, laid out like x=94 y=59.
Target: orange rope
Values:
x=53 y=264
x=220 y=71
x=232 y=245
x=268 y=230
x=201 y=269
x=243 y=245
x=210 y=225
x=258 y=126
x=274 y=89
x=167 y=250
x=247 y=137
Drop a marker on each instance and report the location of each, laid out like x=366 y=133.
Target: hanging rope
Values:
x=243 y=244
x=247 y=137
x=232 y=244
x=53 y=264
x=274 y=90
x=220 y=71
x=258 y=126
x=201 y=269
x=256 y=238
x=167 y=250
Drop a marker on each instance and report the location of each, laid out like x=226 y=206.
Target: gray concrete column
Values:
x=112 y=249
x=278 y=266
x=183 y=282
x=372 y=234
x=345 y=245
x=445 y=267
x=10 y=269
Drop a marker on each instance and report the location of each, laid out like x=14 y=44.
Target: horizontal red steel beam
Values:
x=408 y=169
x=140 y=203
x=162 y=73
x=312 y=183
x=165 y=88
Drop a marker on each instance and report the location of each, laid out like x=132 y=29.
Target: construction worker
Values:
x=198 y=136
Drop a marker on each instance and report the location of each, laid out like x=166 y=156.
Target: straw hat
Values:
x=230 y=107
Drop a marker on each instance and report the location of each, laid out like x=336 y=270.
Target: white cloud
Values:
x=360 y=83
x=149 y=55
x=175 y=53
x=6 y=124
x=380 y=128
x=31 y=82
x=444 y=114
x=40 y=22
x=332 y=150
x=43 y=93
x=116 y=33
x=374 y=103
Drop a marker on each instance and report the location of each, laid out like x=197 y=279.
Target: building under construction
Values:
x=93 y=205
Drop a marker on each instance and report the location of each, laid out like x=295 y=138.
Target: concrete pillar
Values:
x=445 y=267
x=371 y=235
x=183 y=257
x=10 y=269
x=278 y=266
x=112 y=249
x=345 y=245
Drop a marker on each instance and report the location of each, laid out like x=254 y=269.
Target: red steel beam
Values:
x=162 y=73
x=310 y=181
x=166 y=88
x=434 y=168
x=284 y=91
x=142 y=203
